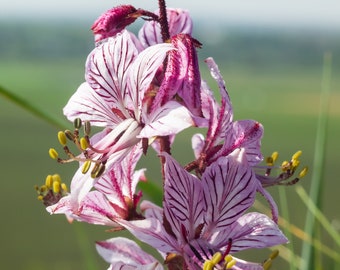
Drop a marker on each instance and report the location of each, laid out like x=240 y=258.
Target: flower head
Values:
x=207 y=215
x=120 y=81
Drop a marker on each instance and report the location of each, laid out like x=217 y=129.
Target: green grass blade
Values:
x=30 y=108
x=285 y=214
x=319 y=157
x=312 y=207
x=85 y=246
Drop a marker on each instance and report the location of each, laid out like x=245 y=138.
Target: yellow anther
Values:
x=83 y=143
x=285 y=165
x=274 y=156
x=303 y=172
x=56 y=187
x=86 y=166
x=40 y=197
x=62 y=138
x=267 y=264
x=208 y=265
x=77 y=123
x=49 y=181
x=269 y=161
x=230 y=264
x=43 y=189
x=297 y=155
x=64 y=187
x=56 y=178
x=228 y=258
x=274 y=254
x=295 y=163
x=53 y=153
x=216 y=258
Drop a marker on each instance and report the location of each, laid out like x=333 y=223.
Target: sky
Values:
x=305 y=13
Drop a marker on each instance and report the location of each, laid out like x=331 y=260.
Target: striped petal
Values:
x=229 y=189
x=246 y=134
x=87 y=105
x=183 y=204
x=123 y=253
x=252 y=230
x=106 y=69
x=141 y=74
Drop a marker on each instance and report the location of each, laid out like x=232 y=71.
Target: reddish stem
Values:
x=163 y=20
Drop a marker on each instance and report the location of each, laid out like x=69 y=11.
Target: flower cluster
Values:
x=142 y=91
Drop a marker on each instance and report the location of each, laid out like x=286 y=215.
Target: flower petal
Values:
x=169 y=119
x=106 y=69
x=179 y=22
x=152 y=232
x=87 y=105
x=127 y=254
x=141 y=74
x=246 y=134
x=183 y=204
x=229 y=189
x=255 y=230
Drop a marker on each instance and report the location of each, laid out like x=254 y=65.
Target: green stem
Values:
x=319 y=157
x=29 y=107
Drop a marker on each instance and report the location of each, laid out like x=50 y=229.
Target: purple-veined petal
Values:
x=229 y=187
x=179 y=22
x=87 y=105
x=215 y=73
x=246 y=134
x=152 y=232
x=255 y=230
x=167 y=120
x=189 y=91
x=96 y=209
x=106 y=70
x=270 y=200
x=197 y=251
x=181 y=76
x=121 y=180
x=141 y=74
x=123 y=253
x=183 y=204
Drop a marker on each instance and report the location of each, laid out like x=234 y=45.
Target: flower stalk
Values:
x=141 y=91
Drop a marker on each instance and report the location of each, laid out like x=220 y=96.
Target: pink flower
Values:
x=121 y=84
x=103 y=200
x=207 y=215
x=224 y=135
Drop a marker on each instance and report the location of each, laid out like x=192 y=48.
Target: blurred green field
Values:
x=285 y=100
